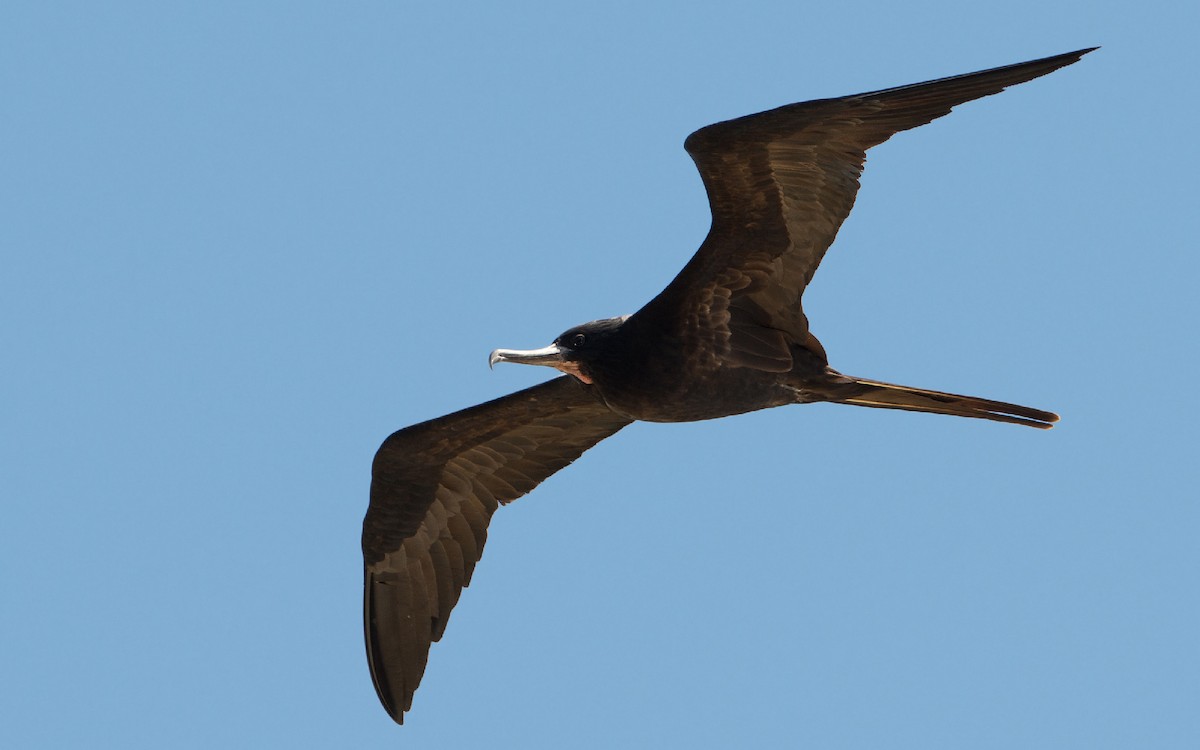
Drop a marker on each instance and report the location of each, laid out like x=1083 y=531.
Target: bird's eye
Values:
x=578 y=340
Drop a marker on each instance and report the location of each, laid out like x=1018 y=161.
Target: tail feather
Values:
x=875 y=394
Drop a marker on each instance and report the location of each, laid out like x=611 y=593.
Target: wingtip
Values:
x=1057 y=61
x=1079 y=53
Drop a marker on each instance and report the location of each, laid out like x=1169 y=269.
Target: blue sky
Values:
x=242 y=243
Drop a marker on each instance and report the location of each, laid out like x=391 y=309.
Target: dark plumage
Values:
x=727 y=336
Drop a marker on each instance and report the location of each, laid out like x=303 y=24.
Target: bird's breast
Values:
x=674 y=395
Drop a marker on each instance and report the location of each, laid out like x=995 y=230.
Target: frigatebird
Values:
x=726 y=336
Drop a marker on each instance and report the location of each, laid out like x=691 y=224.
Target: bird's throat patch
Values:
x=572 y=368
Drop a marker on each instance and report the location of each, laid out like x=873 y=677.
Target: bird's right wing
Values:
x=434 y=487
x=780 y=183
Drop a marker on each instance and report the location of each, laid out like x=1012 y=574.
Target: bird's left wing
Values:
x=780 y=183
x=434 y=487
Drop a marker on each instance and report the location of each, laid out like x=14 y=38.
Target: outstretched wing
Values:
x=434 y=487
x=780 y=183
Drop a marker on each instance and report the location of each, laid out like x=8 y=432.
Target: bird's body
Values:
x=640 y=377
x=727 y=336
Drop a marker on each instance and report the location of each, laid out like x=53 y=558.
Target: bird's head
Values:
x=574 y=352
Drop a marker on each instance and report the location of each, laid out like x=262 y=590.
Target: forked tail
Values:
x=879 y=395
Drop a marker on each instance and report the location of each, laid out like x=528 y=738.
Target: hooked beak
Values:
x=550 y=356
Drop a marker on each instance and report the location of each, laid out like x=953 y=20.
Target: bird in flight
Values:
x=726 y=336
